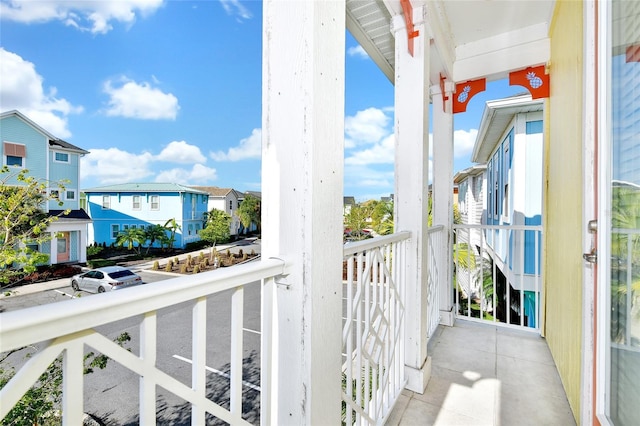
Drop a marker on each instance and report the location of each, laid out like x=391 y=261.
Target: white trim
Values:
x=55 y=160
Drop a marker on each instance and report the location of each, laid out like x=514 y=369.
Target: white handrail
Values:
x=39 y=323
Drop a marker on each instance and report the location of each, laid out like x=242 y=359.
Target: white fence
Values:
x=497 y=274
x=372 y=339
x=64 y=328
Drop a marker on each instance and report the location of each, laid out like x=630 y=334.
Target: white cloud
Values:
x=367 y=126
x=380 y=153
x=93 y=16
x=197 y=174
x=116 y=166
x=22 y=89
x=248 y=148
x=235 y=7
x=463 y=142
x=140 y=100
x=182 y=153
x=359 y=176
x=357 y=51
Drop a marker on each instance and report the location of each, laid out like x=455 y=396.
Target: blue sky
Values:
x=170 y=91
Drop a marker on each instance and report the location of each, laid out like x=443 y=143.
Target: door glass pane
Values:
x=624 y=380
x=62 y=245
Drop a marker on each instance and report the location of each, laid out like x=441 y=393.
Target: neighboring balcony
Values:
x=480 y=374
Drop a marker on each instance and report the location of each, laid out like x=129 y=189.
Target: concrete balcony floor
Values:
x=487 y=375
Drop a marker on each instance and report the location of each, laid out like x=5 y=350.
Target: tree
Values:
x=130 y=237
x=155 y=233
x=217 y=229
x=23 y=221
x=382 y=217
x=250 y=211
x=357 y=220
x=172 y=226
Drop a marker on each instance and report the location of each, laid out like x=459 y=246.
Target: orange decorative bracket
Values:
x=534 y=79
x=445 y=97
x=633 y=53
x=466 y=91
x=412 y=33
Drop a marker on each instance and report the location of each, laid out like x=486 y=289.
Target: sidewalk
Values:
x=65 y=282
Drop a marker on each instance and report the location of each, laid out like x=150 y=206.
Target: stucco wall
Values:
x=563 y=198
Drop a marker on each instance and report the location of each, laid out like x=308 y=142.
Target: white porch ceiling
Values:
x=470 y=38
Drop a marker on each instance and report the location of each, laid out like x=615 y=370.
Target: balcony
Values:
x=486 y=373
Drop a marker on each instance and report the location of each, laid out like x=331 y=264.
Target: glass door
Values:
x=620 y=196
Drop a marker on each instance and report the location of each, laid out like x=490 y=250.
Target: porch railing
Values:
x=435 y=249
x=64 y=328
x=497 y=274
x=374 y=312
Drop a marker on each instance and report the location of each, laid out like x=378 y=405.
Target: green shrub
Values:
x=99 y=263
x=93 y=251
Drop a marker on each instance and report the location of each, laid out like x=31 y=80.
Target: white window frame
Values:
x=66 y=195
x=157 y=203
x=107 y=205
x=133 y=202
x=5 y=156
x=115 y=230
x=55 y=159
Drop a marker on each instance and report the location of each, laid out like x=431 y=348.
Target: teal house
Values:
x=26 y=145
x=117 y=208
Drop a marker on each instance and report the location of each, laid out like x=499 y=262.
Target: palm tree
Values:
x=130 y=237
x=155 y=233
x=172 y=226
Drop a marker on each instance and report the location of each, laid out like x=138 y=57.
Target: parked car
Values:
x=108 y=278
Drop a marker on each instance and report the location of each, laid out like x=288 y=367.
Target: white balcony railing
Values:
x=64 y=328
x=372 y=338
x=436 y=249
x=497 y=273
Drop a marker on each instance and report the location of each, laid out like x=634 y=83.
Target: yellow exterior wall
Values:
x=563 y=198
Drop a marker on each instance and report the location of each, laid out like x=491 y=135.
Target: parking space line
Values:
x=64 y=294
x=218 y=372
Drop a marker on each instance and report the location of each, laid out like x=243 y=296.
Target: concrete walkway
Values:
x=487 y=375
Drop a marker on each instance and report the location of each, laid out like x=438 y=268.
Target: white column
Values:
x=302 y=190
x=53 y=249
x=411 y=181
x=443 y=194
x=82 y=248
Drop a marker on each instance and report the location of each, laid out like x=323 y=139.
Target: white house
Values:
x=227 y=200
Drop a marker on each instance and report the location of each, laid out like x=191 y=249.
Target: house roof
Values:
x=145 y=187
x=469 y=171
x=349 y=201
x=215 y=191
x=497 y=115
x=53 y=140
x=256 y=194
x=73 y=215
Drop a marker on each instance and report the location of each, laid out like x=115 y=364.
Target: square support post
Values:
x=443 y=195
x=302 y=192
x=411 y=181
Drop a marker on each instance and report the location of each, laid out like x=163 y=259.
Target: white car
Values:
x=104 y=279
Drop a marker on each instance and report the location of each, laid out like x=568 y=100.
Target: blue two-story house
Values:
x=26 y=145
x=116 y=208
x=510 y=144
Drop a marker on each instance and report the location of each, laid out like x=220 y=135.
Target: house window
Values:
x=61 y=157
x=193 y=204
x=106 y=202
x=14 y=154
x=55 y=194
x=115 y=230
x=136 y=202
x=32 y=246
x=125 y=228
x=190 y=228
x=70 y=195
x=205 y=198
x=155 y=202
x=230 y=204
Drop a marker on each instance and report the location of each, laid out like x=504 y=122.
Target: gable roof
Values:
x=145 y=187
x=496 y=118
x=215 y=191
x=53 y=140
